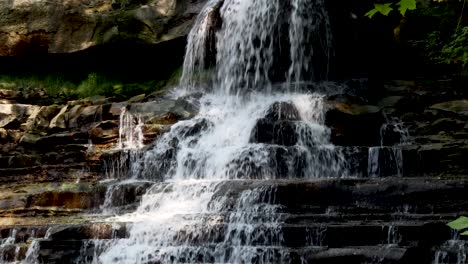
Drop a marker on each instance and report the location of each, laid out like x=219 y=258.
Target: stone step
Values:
x=318 y=234
x=317 y=244
x=391 y=198
x=64 y=251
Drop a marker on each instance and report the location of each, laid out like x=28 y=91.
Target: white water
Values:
x=194 y=212
x=388 y=158
x=452 y=251
x=309 y=22
x=6 y=244
x=130 y=131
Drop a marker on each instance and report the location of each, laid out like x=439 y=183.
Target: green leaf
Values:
x=384 y=9
x=406 y=5
x=464 y=233
x=459 y=224
x=371 y=13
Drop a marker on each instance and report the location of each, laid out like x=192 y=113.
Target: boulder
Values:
x=282 y=111
x=13 y=115
x=279 y=126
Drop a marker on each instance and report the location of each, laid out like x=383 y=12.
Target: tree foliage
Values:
x=460 y=224
x=385 y=9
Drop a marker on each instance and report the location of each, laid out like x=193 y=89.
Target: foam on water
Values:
x=187 y=215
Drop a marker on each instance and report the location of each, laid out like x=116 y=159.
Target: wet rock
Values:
x=94 y=100
x=152 y=131
x=42 y=119
x=354 y=125
x=3 y=135
x=13 y=115
x=63 y=199
x=390 y=101
x=136 y=99
x=279 y=126
x=166 y=119
x=160 y=108
x=282 y=111
x=277 y=132
x=441 y=159
x=458 y=106
x=87 y=231
x=125 y=194
x=104 y=131
x=24 y=160
x=80 y=115
x=113 y=111
x=59 y=122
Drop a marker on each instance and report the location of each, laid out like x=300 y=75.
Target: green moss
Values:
x=94 y=84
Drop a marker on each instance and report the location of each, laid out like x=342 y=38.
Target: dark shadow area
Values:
x=124 y=61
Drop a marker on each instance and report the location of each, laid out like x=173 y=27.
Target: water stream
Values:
x=211 y=200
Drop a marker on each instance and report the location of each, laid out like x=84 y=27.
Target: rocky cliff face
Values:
x=53 y=158
x=40 y=27
x=39 y=143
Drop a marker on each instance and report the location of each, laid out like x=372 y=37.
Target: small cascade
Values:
x=254 y=221
x=452 y=251
x=130 y=131
x=9 y=250
x=387 y=159
x=277 y=136
x=118 y=169
x=315 y=235
x=32 y=255
x=393 y=237
x=17 y=245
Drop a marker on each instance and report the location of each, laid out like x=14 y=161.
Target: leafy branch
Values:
x=385 y=9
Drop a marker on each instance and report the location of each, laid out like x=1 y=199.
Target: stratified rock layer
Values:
x=29 y=27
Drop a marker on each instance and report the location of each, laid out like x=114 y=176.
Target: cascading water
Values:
x=213 y=198
x=130 y=131
x=452 y=251
x=387 y=159
x=309 y=23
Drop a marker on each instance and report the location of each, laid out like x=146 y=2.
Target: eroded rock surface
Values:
x=37 y=27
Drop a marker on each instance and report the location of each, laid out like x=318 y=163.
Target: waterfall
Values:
x=215 y=176
x=309 y=23
x=255 y=41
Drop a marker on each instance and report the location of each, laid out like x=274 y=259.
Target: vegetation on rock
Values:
x=95 y=84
